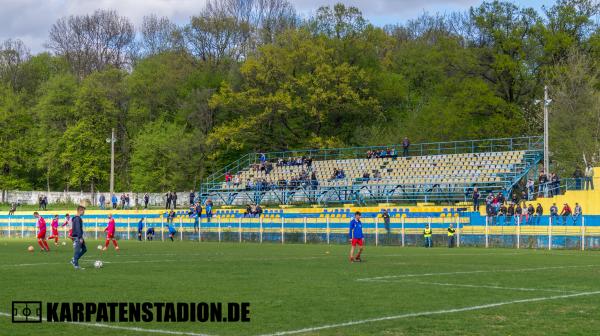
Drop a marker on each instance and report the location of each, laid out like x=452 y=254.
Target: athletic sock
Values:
x=106 y=243
x=41 y=244
x=114 y=243
x=46 y=245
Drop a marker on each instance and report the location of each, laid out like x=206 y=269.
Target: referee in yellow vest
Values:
x=451 y=232
x=427 y=235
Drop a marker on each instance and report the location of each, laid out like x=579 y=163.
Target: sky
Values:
x=30 y=20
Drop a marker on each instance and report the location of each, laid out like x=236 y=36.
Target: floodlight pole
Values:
x=546 y=151
x=112 y=141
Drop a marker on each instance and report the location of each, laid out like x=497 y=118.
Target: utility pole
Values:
x=112 y=141
x=546 y=102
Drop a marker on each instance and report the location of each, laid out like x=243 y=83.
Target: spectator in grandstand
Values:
x=500 y=198
x=566 y=212
x=502 y=212
x=268 y=167
x=308 y=162
x=169 y=198
x=510 y=213
x=577 y=213
x=258 y=211
x=366 y=176
x=405 y=146
x=539 y=212
x=146 y=200
x=377 y=175
x=490 y=213
x=524 y=213
x=228 y=177
x=248 y=211
x=451 y=232
x=553 y=213
x=113 y=200
x=518 y=213
x=236 y=181
x=589 y=177
x=530 y=189
x=249 y=184
x=554 y=185
x=262 y=157
x=496 y=203
x=530 y=213
x=489 y=199
x=101 y=201
x=542 y=185
x=209 y=209
x=192 y=197
x=524 y=196
x=476 y=196
x=127 y=201
x=515 y=198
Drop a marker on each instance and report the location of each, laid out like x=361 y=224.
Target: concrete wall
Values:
x=31 y=197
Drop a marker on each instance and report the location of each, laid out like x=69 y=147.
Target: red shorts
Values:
x=358 y=241
x=41 y=235
x=110 y=235
x=55 y=232
x=71 y=233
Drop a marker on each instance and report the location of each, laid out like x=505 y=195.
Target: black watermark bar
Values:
x=213 y=312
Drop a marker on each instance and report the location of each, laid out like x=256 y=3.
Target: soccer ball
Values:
x=30 y=248
x=98 y=264
x=99 y=247
x=64 y=243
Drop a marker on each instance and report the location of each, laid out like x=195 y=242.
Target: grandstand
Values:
x=432 y=172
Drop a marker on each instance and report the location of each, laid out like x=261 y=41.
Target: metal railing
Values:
x=357 y=192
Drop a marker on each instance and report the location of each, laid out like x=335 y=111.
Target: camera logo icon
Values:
x=27 y=311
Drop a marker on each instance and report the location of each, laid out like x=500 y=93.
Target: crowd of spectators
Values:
x=253 y=211
x=384 y=153
x=389 y=152
x=499 y=210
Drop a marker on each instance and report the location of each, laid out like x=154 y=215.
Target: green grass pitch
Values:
x=314 y=290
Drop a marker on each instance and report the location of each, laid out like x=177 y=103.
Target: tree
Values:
x=293 y=96
x=159 y=35
x=16 y=171
x=574 y=113
x=165 y=157
x=13 y=53
x=93 y=42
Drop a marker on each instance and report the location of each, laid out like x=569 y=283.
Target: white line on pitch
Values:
x=136 y=329
x=490 y=287
x=444 y=254
x=92 y=261
x=472 y=272
x=428 y=313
